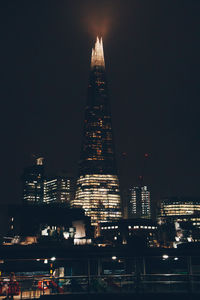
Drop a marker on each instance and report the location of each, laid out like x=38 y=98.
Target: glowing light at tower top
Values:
x=97 y=54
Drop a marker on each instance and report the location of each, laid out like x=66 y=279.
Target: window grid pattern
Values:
x=99 y=196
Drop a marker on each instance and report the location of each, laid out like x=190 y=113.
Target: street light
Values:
x=175 y=258
x=53 y=258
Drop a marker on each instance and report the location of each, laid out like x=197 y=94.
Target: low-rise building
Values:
x=48 y=223
x=127 y=231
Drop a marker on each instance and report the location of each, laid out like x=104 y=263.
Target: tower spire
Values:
x=97 y=54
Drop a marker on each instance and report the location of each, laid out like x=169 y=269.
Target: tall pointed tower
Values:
x=97 y=185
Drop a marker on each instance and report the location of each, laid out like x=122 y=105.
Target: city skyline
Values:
x=152 y=81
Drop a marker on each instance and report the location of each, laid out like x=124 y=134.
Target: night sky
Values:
x=152 y=51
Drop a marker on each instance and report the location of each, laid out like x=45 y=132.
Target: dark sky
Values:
x=152 y=51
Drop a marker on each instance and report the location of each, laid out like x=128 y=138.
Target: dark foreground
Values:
x=122 y=296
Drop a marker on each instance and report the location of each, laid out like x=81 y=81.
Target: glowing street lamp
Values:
x=53 y=258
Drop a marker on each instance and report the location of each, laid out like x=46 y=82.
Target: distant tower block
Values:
x=139 y=204
x=33 y=183
x=97 y=185
x=59 y=189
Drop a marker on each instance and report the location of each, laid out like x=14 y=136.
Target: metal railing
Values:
x=34 y=287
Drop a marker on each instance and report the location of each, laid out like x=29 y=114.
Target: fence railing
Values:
x=34 y=287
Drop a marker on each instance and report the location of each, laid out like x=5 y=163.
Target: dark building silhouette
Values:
x=97 y=185
x=29 y=223
x=130 y=231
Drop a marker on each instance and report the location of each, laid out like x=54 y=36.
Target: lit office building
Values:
x=138 y=202
x=58 y=190
x=33 y=183
x=97 y=185
x=175 y=206
x=184 y=214
x=38 y=189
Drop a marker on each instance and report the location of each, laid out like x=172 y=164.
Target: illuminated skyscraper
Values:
x=58 y=189
x=33 y=183
x=97 y=185
x=139 y=205
x=39 y=189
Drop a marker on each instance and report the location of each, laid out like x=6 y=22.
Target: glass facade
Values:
x=33 y=183
x=139 y=204
x=58 y=190
x=38 y=189
x=99 y=196
x=97 y=185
